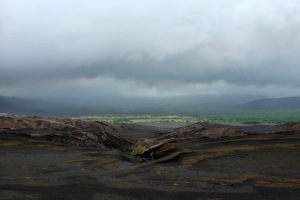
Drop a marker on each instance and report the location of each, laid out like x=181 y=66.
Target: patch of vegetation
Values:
x=118 y=118
x=252 y=117
x=243 y=117
x=37 y=117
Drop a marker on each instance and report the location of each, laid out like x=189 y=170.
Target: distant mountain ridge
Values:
x=21 y=106
x=192 y=104
x=181 y=105
x=273 y=104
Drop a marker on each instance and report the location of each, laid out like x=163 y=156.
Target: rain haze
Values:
x=158 y=48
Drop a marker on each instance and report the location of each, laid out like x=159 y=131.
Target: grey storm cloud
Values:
x=150 y=44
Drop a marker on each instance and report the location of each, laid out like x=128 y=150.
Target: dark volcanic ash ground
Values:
x=74 y=159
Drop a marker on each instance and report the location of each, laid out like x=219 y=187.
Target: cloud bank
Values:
x=149 y=48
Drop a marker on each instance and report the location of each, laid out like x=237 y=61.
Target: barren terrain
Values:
x=75 y=159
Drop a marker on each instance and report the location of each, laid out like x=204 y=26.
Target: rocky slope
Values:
x=77 y=132
x=104 y=135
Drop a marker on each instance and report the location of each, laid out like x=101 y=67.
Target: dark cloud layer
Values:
x=155 y=48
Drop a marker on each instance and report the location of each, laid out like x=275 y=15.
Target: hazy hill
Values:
x=286 y=103
x=134 y=105
x=15 y=105
x=7 y=106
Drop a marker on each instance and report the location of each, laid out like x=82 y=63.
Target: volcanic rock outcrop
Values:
x=165 y=144
x=77 y=132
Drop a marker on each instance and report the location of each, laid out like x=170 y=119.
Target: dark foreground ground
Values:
x=262 y=165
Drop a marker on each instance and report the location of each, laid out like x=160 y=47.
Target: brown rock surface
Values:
x=78 y=132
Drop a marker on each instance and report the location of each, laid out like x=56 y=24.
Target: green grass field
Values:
x=139 y=118
x=246 y=117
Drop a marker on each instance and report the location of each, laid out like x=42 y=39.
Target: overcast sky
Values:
x=69 y=48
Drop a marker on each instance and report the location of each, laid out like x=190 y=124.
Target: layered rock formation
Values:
x=77 y=132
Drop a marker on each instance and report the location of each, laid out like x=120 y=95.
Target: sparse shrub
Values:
x=138 y=150
x=36 y=117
